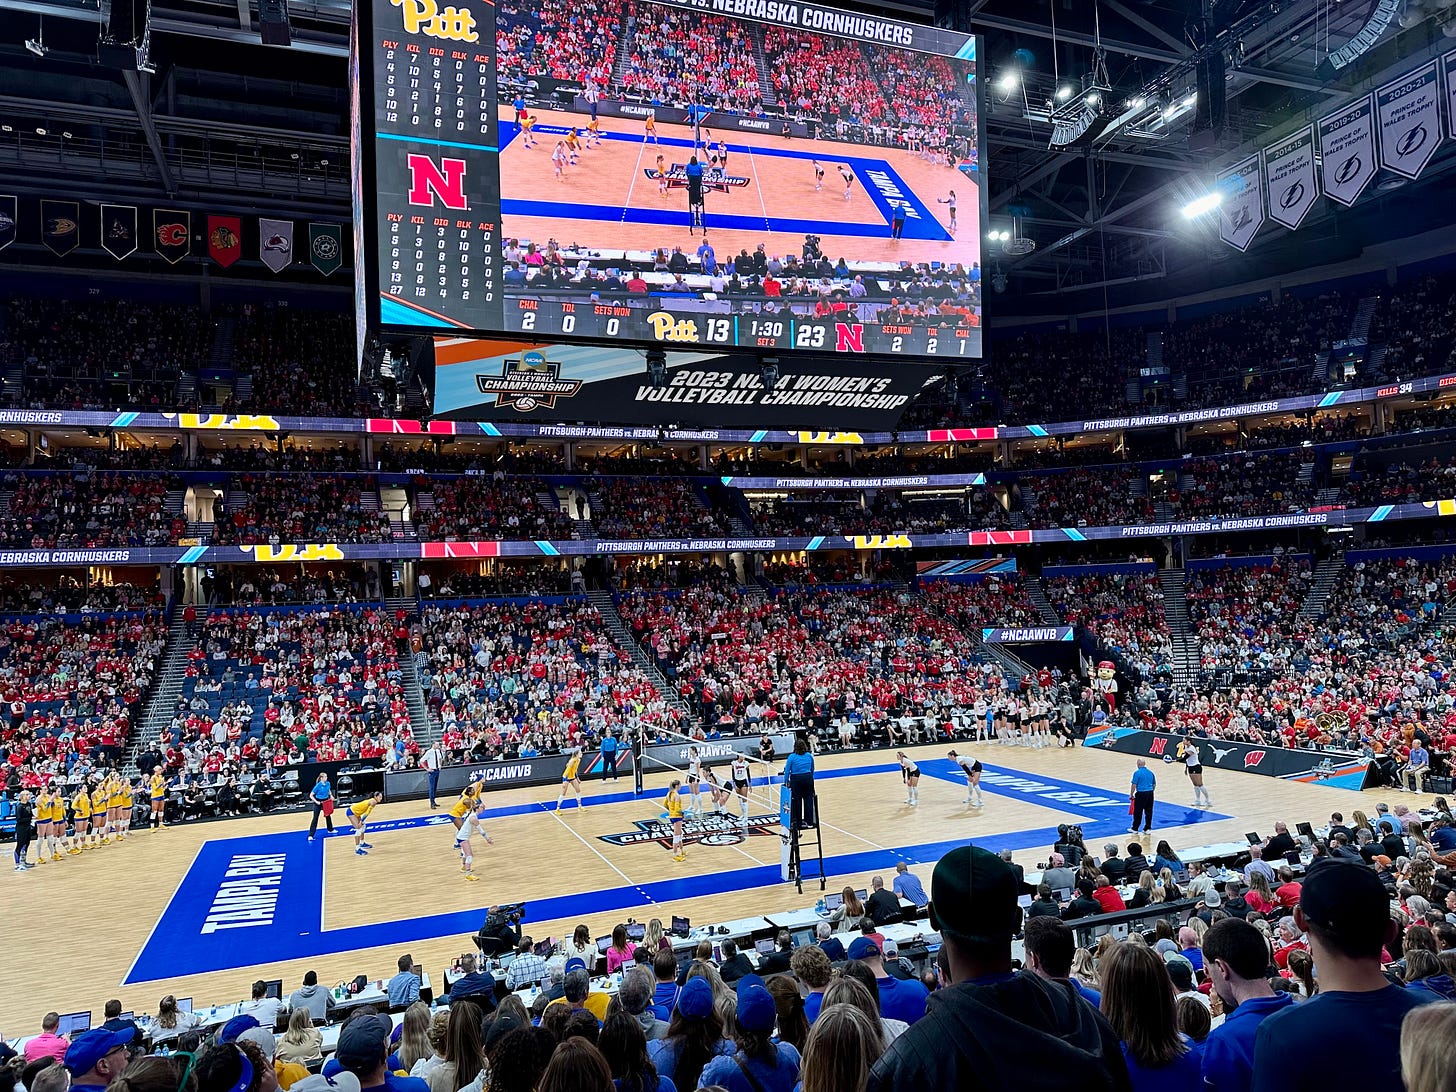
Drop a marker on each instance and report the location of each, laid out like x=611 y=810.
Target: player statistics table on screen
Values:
x=526 y=182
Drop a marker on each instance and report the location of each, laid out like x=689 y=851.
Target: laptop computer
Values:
x=833 y=902
x=764 y=947
x=681 y=926
x=1253 y=838
x=73 y=1023
x=543 y=949
x=275 y=987
x=184 y=1004
x=636 y=931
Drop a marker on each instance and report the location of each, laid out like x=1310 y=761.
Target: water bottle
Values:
x=819 y=907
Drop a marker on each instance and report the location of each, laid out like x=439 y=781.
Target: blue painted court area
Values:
x=878 y=179
x=261 y=897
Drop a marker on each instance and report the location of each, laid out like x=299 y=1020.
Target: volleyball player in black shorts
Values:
x=910 y=774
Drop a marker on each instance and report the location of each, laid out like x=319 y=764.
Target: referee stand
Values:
x=800 y=812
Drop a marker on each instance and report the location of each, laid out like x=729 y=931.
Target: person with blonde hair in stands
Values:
x=414 y=1037
x=842 y=1048
x=152 y=1073
x=438 y=1030
x=849 y=913
x=1428 y=1049
x=302 y=1042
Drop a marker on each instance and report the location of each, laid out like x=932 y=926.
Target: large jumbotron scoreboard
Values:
x=705 y=175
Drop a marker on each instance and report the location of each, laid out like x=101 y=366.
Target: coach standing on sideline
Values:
x=322 y=796
x=430 y=763
x=1143 y=784
x=24 y=830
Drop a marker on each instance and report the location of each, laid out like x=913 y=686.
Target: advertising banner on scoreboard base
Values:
x=521 y=381
x=1338 y=769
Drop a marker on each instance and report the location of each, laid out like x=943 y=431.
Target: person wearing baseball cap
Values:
x=991 y=1027
x=694 y=1036
x=759 y=1064
x=899 y=1000
x=96 y=1058
x=363 y=1050
x=1344 y=911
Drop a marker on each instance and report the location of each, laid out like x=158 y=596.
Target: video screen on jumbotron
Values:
x=706 y=173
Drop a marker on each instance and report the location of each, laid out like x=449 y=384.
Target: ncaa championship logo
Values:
x=711 y=830
x=533 y=382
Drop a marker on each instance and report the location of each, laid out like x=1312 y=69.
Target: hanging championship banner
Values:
x=9 y=207
x=1448 y=72
x=1347 y=151
x=172 y=234
x=1409 y=116
x=275 y=244
x=1242 y=213
x=60 y=225
x=325 y=247
x=224 y=239
x=1289 y=178
x=119 y=230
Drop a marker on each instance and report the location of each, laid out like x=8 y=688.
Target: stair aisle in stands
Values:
x=1187 y=653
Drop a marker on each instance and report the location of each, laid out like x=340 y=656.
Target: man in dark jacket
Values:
x=734 y=964
x=1043 y=906
x=882 y=905
x=777 y=961
x=991 y=1028
x=1134 y=864
x=1084 y=905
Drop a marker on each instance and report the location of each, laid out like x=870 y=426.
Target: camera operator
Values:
x=502 y=924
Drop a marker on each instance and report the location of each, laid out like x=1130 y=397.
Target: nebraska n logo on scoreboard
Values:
x=848 y=337
x=445 y=181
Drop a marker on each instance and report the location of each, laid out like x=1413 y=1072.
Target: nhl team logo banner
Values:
x=9 y=208
x=172 y=234
x=1448 y=72
x=119 y=230
x=224 y=239
x=1242 y=213
x=275 y=244
x=60 y=225
x=1409 y=115
x=325 y=247
x=1347 y=151
x=1289 y=178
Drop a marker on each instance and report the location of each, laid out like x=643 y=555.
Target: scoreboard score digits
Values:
x=523 y=183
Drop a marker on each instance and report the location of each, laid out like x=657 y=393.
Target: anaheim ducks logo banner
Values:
x=119 y=230
x=1409 y=113
x=172 y=234
x=60 y=226
x=1347 y=151
x=224 y=239
x=1289 y=178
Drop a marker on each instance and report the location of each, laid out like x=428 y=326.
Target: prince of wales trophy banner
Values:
x=1289 y=178
x=1242 y=213
x=1347 y=151
x=1409 y=112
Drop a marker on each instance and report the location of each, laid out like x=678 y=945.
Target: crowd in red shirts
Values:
x=1123 y=611
x=87 y=509
x=73 y=689
x=679 y=59
x=997 y=599
x=276 y=688
x=480 y=507
x=553 y=38
x=503 y=678
x=299 y=508
x=825 y=76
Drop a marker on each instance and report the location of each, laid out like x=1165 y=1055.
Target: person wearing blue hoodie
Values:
x=1425 y=977
x=1236 y=956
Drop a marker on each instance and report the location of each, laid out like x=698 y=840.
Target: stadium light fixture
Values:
x=1008 y=82
x=1200 y=206
x=1064 y=92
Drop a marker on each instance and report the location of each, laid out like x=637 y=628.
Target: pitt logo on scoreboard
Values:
x=428 y=18
x=428 y=180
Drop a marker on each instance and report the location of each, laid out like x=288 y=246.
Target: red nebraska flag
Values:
x=225 y=239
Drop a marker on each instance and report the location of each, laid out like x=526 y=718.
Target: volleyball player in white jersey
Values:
x=971 y=767
x=1192 y=757
x=980 y=719
x=474 y=824
x=910 y=774
x=739 y=785
x=716 y=792
x=695 y=775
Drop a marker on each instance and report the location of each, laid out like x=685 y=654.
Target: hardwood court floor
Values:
x=78 y=930
x=780 y=194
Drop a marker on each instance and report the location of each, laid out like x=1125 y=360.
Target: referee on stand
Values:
x=1143 y=784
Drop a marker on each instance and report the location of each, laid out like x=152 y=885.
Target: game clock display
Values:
x=731 y=174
